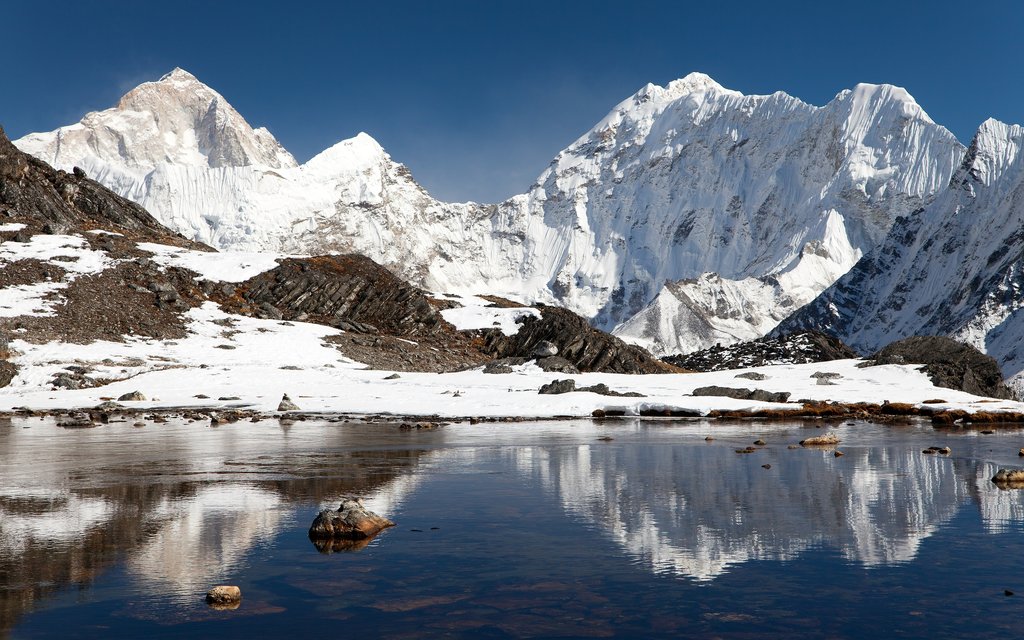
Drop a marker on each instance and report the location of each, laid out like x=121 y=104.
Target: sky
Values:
x=476 y=98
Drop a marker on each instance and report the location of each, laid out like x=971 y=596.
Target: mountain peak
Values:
x=178 y=75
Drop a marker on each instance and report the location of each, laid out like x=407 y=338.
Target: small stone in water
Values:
x=223 y=594
x=759 y=442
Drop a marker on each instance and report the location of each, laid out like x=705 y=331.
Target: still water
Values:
x=509 y=530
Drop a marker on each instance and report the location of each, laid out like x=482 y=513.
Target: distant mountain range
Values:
x=690 y=215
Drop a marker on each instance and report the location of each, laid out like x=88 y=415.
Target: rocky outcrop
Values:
x=350 y=292
x=949 y=364
x=586 y=348
x=350 y=522
x=794 y=348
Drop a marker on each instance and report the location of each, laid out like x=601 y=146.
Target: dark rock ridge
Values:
x=794 y=348
x=586 y=348
x=348 y=291
x=948 y=364
x=53 y=201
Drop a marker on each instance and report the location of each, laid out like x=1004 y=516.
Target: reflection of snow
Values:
x=205 y=537
x=999 y=507
x=695 y=512
x=70 y=517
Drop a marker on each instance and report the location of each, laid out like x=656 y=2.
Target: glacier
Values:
x=690 y=215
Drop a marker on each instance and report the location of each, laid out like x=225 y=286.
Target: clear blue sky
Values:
x=477 y=97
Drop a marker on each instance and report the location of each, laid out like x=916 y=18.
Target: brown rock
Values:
x=224 y=595
x=827 y=439
x=351 y=521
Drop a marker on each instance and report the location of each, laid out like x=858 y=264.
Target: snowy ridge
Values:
x=954 y=268
x=674 y=183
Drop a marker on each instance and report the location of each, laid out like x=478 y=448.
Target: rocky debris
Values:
x=939 y=450
x=7 y=372
x=759 y=442
x=826 y=440
x=439 y=353
x=117 y=302
x=134 y=396
x=760 y=395
x=568 y=386
x=351 y=521
x=109 y=406
x=393 y=376
x=949 y=364
x=586 y=348
x=72 y=380
x=751 y=375
x=223 y=595
x=286 y=404
x=48 y=200
x=557 y=364
x=794 y=348
x=1009 y=477
x=746 y=450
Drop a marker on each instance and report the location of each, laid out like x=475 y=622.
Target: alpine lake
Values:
x=622 y=528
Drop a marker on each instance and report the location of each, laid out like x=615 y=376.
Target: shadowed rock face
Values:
x=949 y=364
x=34 y=193
x=587 y=348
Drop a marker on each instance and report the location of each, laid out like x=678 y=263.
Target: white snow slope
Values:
x=775 y=197
x=955 y=268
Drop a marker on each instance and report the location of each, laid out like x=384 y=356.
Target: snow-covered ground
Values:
x=251 y=372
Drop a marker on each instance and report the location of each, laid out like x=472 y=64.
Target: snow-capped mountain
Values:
x=954 y=268
x=749 y=205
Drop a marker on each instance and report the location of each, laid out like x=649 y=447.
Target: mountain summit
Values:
x=176 y=120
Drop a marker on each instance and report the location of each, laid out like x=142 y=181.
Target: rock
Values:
x=709 y=439
x=269 y=311
x=795 y=348
x=558 y=386
x=109 y=406
x=759 y=442
x=827 y=439
x=557 y=364
x=838 y=454
x=606 y=438
x=7 y=372
x=1021 y=453
x=948 y=364
x=351 y=522
x=826 y=375
x=586 y=348
x=759 y=395
x=751 y=375
x=1009 y=476
x=766 y=466
x=134 y=396
x=78 y=172
x=393 y=376
x=223 y=595
x=746 y=450
x=286 y=404
x=544 y=349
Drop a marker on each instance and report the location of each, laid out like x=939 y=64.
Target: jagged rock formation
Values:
x=776 y=197
x=588 y=349
x=954 y=268
x=796 y=348
x=348 y=291
x=949 y=364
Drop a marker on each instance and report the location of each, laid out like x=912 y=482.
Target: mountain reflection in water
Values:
x=186 y=506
